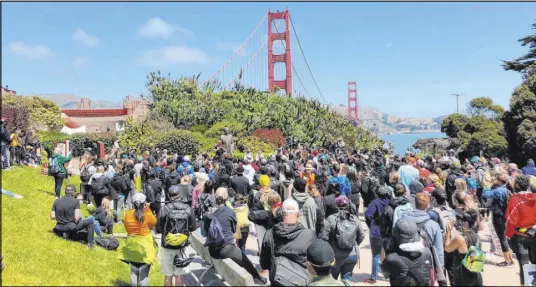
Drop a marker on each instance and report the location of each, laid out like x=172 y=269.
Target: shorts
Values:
x=166 y=261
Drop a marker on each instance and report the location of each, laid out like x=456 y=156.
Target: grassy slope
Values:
x=35 y=256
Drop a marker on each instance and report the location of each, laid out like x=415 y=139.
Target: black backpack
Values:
x=108 y=242
x=98 y=185
x=176 y=222
x=384 y=221
x=119 y=182
x=84 y=174
x=287 y=272
x=419 y=269
x=345 y=233
x=148 y=190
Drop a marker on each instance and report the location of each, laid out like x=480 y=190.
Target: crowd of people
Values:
x=423 y=215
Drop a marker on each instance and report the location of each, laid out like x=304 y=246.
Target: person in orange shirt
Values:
x=308 y=174
x=141 y=249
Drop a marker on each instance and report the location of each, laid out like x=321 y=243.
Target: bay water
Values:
x=402 y=142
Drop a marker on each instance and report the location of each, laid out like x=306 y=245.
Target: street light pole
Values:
x=457 y=105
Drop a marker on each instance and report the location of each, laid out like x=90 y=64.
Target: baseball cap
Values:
x=406 y=231
x=290 y=206
x=139 y=197
x=320 y=254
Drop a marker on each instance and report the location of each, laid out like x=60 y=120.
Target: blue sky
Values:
x=407 y=58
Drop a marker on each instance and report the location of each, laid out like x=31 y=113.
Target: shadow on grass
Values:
x=121 y=283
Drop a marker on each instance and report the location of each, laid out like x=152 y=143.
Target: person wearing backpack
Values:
x=320 y=259
x=100 y=186
x=499 y=197
x=520 y=218
x=172 y=179
x=430 y=231
x=87 y=169
x=344 y=183
x=284 y=249
x=461 y=243
x=242 y=231
x=344 y=233
x=176 y=221
x=374 y=217
x=57 y=169
x=140 y=250
x=409 y=263
x=220 y=225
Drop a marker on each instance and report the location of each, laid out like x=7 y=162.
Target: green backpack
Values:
x=474 y=259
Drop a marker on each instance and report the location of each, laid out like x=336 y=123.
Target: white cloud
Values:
x=79 y=62
x=388 y=45
x=157 y=28
x=85 y=38
x=34 y=52
x=228 y=47
x=173 y=55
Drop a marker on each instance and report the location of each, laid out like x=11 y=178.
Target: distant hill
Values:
x=383 y=123
x=69 y=101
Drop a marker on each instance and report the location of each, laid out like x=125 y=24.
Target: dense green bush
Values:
x=180 y=141
x=205 y=144
x=236 y=128
x=188 y=104
x=254 y=144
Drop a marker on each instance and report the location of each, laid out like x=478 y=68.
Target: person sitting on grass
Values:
x=103 y=215
x=66 y=212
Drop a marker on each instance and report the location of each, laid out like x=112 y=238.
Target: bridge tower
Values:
x=353 y=109
x=285 y=84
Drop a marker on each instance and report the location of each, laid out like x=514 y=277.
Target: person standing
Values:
x=5 y=141
x=60 y=175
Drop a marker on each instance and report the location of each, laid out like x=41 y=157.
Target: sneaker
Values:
x=260 y=281
x=370 y=281
x=505 y=264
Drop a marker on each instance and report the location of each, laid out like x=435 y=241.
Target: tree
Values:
x=520 y=122
x=481 y=130
x=484 y=106
x=525 y=64
x=43 y=112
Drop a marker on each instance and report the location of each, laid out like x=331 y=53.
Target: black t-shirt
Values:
x=64 y=208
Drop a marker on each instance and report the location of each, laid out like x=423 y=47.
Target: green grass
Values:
x=35 y=256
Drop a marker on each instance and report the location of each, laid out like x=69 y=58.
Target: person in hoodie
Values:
x=156 y=183
x=409 y=263
x=62 y=173
x=101 y=186
x=344 y=183
x=414 y=187
x=377 y=241
x=432 y=228
x=345 y=259
x=172 y=179
x=307 y=204
x=286 y=182
x=529 y=169
x=288 y=238
x=185 y=167
x=320 y=211
x=240 y=183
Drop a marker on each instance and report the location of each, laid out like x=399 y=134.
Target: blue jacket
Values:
x=499 y=196
x=432 y=229
x=344 y=184
x=529 y=169
x=375 y=208
x=187 y=166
